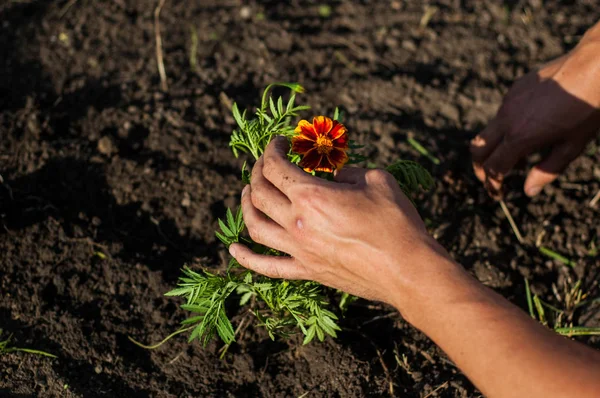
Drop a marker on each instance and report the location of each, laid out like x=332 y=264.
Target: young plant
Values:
x=554 y=318
x=283 y=307
x=6 y=347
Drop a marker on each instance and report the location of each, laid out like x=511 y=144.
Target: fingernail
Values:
x=534 y=190
x=245 y=190
x=232 y=250
x=478 y=142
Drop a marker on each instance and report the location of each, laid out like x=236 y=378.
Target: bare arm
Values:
x=362 y=235
x=499 y=347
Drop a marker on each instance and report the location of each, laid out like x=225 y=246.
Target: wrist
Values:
x=435 y=282
x=592 y=34
x=583 y=64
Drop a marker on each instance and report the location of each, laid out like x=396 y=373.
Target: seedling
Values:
x=552 y=317
x=282 y=307
x=422 y=150
x=556 y=256
x=6 y=347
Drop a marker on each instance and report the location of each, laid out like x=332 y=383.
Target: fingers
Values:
x=279 y=171
x=350 y=175
x=261 y=229
x=499 y=164
x=484 y=144
x=271 y=266
x=548 y=169
x=267 y=198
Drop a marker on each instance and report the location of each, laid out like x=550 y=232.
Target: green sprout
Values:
x=6 y=347
x=554 y=318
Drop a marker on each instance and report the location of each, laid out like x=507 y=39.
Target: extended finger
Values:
x=484 y=144
x=267 y=198
x=280 y=171
x=498 y=165
x=271 y=266
x=549 y=169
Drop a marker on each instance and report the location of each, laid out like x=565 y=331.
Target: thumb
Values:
x=549 y=169
x=350 y=175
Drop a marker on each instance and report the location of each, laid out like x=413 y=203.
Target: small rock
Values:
x=409 y=45
x=245 y=12
x=105 y=145
x=186 y=201
x=391 y=42
x=98 y=369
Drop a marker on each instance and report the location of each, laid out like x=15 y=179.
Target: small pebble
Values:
x=245 y=12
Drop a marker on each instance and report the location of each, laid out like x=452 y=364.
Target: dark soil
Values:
x=111 y=185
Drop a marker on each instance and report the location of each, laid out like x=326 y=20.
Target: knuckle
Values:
x=310 y=196
x=378 y=176
x=274 y=272
x=269 y=165
x=254 y=234
x=257 y=197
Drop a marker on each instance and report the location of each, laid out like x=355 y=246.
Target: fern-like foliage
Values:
x=206 y=294
x=254 y=135
x=411 y=176
x=286 y=306
x=231 y=228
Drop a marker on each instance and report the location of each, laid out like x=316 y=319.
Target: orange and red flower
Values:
x=322 y=144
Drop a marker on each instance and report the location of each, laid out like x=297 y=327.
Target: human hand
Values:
x=556 y=107
x=359 y=234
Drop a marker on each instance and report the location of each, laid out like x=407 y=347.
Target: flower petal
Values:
x=337 y=130
x=322 y=125
x=337 y=158
x=301 y=144
x=341 y=142
x=311 y=160
x=306 y=129
x=325 y=166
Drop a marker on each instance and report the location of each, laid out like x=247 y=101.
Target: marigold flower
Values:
x=322 y=144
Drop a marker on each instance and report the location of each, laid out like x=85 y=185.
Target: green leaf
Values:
x=245 y=174
x=222 y=238
x=310 y=335
x=230 y=220
x=247 y=296
x=290 y=104
x=273 y=109
x=193 y=319
x=225 y=229
x=320 y=334
x=280 y=106
x=236 y=115
x=224 y=328
x=529 y=300
x=180 y=291
x=195 y=308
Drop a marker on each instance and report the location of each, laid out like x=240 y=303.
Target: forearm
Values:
x=592 y=34
x=502 y=350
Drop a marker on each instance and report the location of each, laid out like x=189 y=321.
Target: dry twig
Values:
x=595 y=200
x=513 y=225
x=159 y=49
x=443 y=385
